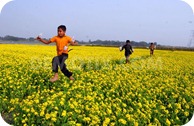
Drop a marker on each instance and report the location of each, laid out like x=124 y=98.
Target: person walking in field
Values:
x=128 y=50
x=151 y=47
x=62 y=41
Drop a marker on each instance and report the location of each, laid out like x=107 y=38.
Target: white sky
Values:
x=167 y=22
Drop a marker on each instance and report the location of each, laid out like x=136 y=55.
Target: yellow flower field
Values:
x=156 y=90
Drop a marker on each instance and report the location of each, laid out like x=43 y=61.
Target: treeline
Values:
x=9 y=38
x=15 y=39
x=115 y=43
x=141 y=44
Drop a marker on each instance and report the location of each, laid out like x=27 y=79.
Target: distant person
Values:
x=151 y=47
x=128 y=50
x=62 y=41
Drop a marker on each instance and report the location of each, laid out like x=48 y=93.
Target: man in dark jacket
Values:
x=128 y=50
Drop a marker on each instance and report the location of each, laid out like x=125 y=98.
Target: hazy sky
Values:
x=167 y=22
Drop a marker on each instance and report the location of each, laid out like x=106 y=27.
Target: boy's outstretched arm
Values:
x=43 y=41
x=122 y=48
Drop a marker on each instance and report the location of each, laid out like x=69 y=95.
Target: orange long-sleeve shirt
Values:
x=61 y=44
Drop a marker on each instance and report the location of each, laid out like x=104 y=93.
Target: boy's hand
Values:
x=73 y=39
x=76 y=43
x=38 y=38
x=73 y=42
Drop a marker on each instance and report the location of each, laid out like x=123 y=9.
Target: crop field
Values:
x=157 y=90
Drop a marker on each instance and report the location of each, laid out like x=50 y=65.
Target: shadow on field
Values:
x=99 y=65
x=8 y=117
x=136 y=59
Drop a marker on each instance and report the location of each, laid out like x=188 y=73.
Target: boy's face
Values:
x=61 y=33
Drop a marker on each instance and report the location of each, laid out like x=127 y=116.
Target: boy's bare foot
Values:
x=55 y=78
x=71 y=78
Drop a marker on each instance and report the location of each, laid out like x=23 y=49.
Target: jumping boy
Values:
x=151 y=47
x=62 y=41
x=128 y=50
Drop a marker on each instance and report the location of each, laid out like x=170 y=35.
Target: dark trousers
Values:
x=59 y=61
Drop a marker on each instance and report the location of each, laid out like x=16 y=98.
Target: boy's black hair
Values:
x=127 y=41
x=151 y=43
x=63 y=27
